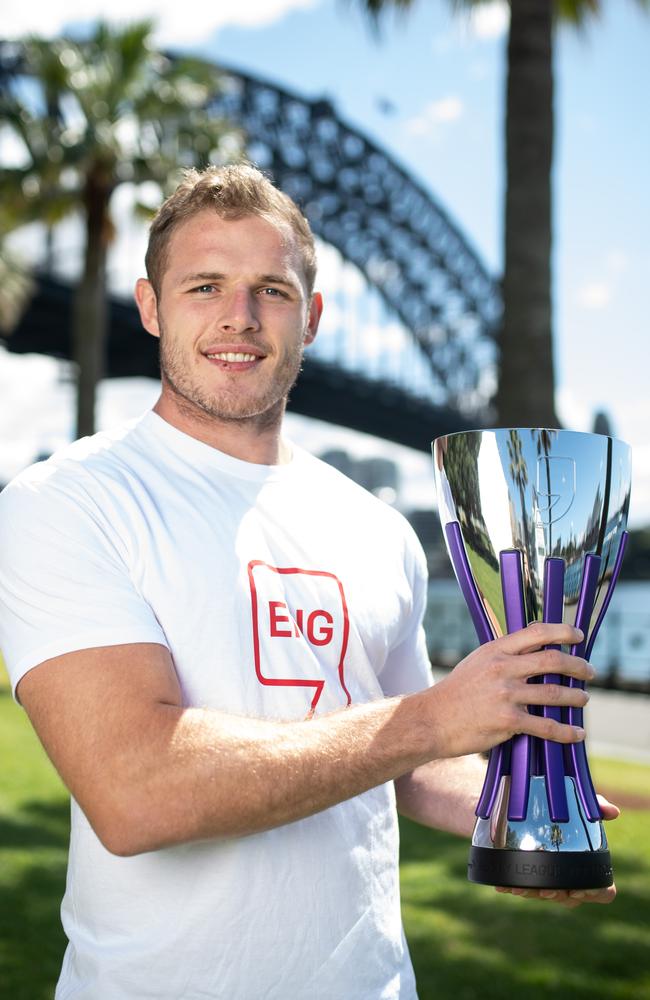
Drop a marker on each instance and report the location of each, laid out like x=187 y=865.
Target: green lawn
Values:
x=470 y=943
x=467 y=942
x=34 y=825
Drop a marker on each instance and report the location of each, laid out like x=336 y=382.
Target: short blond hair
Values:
x=233 y=192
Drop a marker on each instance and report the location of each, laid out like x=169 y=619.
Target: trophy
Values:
x=534 y=521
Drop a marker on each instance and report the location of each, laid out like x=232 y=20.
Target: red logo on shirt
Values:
x=301 y=606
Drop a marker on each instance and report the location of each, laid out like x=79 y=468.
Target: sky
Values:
x=429 y=90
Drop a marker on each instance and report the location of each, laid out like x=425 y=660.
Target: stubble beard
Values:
x=264 y=408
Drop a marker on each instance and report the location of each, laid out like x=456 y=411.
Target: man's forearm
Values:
x=443 y=793
x=214 y=774
x=149 y=772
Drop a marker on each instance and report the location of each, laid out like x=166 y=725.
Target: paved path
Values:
x=618 y=725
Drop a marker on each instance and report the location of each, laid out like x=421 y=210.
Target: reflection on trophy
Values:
x=534 y=521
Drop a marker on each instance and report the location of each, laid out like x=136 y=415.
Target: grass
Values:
x=467 y=942
x=34 y=826
x=629 y=778
x=489 y=580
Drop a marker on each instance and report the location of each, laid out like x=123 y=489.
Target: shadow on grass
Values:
x=34 y=849
x=468 y=942
x=38 y=824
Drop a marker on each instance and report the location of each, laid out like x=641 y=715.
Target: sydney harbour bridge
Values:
x=407 y=348
x=409 y=351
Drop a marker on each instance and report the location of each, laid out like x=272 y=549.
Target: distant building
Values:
x=603 y=424
x=426 y=525
x=341 y=460
x=377 y=475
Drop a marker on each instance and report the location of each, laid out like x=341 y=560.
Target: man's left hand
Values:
x=570 y=898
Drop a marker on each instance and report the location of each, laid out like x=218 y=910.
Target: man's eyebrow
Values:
x=270 y=279
x=277 y=279
x=202 y=276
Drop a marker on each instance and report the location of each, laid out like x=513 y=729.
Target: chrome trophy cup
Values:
x=534 y=521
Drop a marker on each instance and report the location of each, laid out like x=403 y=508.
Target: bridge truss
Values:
x=381 y=221
x=358 y=199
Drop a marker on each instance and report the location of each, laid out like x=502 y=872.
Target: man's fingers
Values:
x=548 y=729
x=554 y=694
x=568 y=898
x=551 y=661
x=609 y=809
x=606 y=895
x=538 y=635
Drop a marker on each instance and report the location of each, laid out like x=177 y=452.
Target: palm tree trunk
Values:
x=90 y=312
x=525 y=395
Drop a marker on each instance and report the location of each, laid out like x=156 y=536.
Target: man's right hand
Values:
x=482 y=702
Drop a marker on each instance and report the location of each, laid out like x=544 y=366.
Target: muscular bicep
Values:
x=97 y=713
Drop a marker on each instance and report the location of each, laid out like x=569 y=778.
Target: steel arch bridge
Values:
x=363 y=203
x=358 y=199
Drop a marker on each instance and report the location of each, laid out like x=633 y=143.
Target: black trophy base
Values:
x=540 y=869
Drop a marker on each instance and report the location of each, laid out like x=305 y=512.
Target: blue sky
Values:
x=444 y=79
x=446 y=84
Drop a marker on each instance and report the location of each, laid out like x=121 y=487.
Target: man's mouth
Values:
x=231 y=356
x=234 y=357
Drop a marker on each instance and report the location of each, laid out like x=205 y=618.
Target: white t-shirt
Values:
x=277 y=589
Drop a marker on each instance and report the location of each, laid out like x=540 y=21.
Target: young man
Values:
x=218 y=640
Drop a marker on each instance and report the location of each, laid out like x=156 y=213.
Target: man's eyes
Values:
x=268 y=290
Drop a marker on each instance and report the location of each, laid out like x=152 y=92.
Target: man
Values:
x=218 y=640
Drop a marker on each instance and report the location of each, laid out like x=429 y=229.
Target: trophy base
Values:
x=540 y=869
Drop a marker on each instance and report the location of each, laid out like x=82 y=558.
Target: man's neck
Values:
x=257 y=440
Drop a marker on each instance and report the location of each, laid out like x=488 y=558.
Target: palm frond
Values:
x=16 y=288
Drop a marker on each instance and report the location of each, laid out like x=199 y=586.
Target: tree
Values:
x=526 y=383
x=92 y=114
x=16 y=283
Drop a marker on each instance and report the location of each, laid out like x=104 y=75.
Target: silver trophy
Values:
x=534 y=521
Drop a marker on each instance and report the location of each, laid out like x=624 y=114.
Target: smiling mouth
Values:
x=232 y=356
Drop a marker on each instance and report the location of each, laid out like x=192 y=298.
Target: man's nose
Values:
x=238 y=312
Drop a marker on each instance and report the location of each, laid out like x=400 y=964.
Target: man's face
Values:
x=233 y=317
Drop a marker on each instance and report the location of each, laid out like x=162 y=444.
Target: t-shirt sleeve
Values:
x=408 y=668
x=64 y=585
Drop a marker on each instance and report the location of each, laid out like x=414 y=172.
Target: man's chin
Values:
x=261 y=412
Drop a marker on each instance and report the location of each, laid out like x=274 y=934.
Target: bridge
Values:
x=411 y=351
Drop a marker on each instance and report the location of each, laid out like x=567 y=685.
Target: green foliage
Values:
x=466 y=941
x=631 y=777
x=88 y=115
x=16 y=287
x=376 y=7
x=110 y=107
x=34 y=826
x=574 y=12
x=469 y=942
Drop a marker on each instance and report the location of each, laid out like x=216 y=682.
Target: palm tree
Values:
x=97 y=113
x=16 y=282
x=525 y=393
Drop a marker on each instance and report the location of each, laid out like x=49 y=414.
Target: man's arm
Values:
x=443 y=793
x=149 y=772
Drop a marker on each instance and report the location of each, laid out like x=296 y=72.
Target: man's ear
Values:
x=147 y=304
x=313 y=319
